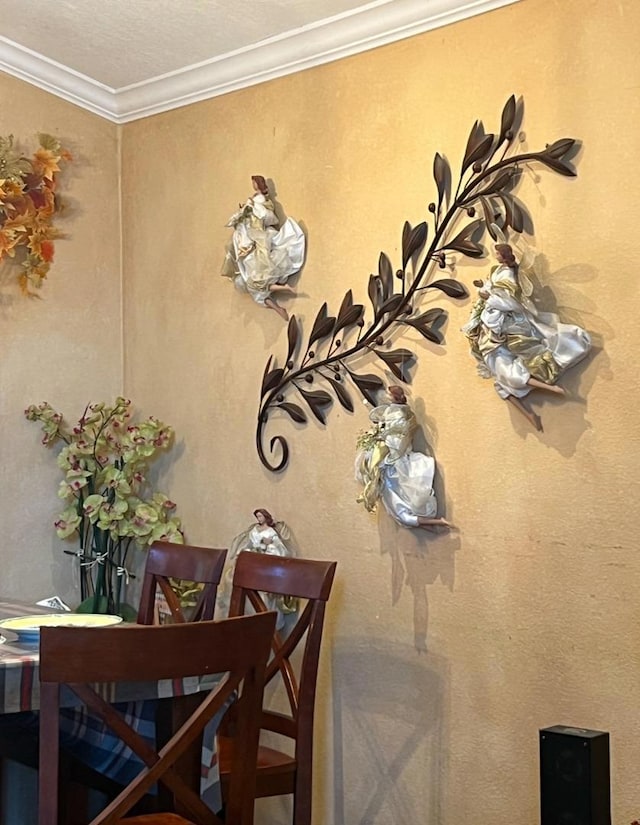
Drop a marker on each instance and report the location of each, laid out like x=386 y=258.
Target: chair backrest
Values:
x=309 y=580
x=165 y=561
x=82 y=658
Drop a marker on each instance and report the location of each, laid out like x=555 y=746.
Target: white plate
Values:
x=27 y=628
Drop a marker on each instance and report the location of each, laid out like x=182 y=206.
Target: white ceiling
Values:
x=126 y=59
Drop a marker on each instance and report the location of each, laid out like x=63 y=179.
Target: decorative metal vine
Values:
x=490 y=170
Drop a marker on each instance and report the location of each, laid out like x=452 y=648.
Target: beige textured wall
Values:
x=66 y=347
x=529 y=610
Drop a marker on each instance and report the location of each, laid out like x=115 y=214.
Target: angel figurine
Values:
x=520 y=348
x=391 y=471
x=261 y=258
x=264 y=536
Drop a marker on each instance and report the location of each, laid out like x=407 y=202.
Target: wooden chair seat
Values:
x=276 y=771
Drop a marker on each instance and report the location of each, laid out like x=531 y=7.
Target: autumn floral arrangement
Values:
x=109 y=505
x=28 y=205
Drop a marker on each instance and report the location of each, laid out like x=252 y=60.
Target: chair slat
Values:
x=187 y=562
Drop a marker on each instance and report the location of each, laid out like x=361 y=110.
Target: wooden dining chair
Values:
x=82 y=658
x=165 y=561
x=279 y=772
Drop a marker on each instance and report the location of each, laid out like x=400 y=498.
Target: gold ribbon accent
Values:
x=372 y=474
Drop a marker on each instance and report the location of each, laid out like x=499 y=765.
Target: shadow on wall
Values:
x=390 y=733
x=418 y=558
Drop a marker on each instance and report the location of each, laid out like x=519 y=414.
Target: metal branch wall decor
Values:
x=324 y=368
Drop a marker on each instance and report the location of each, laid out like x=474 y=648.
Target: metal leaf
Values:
x=557 y=165
x=406 y=235
x=413 y=240
x=292 y=335
x=469 y=248
x=265 y=373
x=347 y=303
x=322 y=326
x=517 y=216
x=425 y=330
x=463 y=243
x=392 y=304
x=559 y=148
x=385 y=271
x=489 y=217
x=342 y=394
x=352 y=316
x=431 y=316
x=374 y=291
x=349 y=312
x=368 y=385
x=500 y=182
x=507 y=202
x=478 y=145
x=442 y=175
x=316 y=399
x=395 y=360
x=514 y=216
x=294 y=411
x=468 y=230
x=454 y=289
x=320 y=318
x=508 y=118
x=272 y=379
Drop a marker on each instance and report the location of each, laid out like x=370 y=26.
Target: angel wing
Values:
x=525 y=283
x=283 y=530
x=240 y=542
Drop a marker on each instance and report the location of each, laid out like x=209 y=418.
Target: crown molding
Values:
x=375 y=24
x=57 y=79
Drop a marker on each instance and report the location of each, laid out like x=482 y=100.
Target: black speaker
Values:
x=574 y=776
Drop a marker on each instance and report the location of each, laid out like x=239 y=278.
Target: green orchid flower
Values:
x=104 y=459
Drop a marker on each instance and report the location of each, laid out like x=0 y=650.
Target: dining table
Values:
x=86 y=737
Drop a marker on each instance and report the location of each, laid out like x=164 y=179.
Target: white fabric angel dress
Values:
x=391 y=471
x=265 y=536
x=520 y=348
x=261 y=258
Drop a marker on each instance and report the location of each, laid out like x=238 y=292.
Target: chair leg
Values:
x=74 y=804
x=302 y=808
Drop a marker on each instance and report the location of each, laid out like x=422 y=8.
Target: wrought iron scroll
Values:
x=323 y=369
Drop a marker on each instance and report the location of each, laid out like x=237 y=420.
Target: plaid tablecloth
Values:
x=83 y=734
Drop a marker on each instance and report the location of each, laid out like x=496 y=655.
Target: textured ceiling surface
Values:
x=123 y=42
